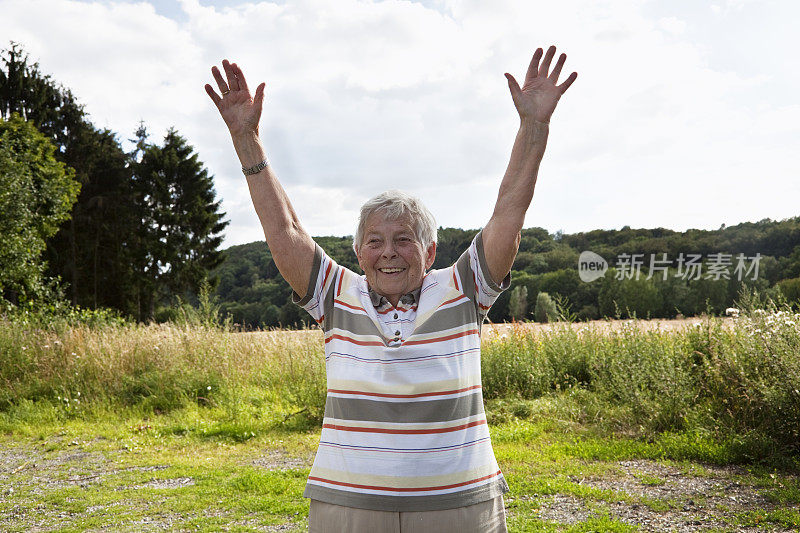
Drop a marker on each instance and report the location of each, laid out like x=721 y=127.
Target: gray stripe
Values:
x=312 y=280
x=445 y=319
x=329 y=297
x=419 y=411
x=465 y=273
x=353 y=322
x=434 y=502
x=485 y=267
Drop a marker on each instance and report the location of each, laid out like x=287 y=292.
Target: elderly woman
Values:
x=404 y=444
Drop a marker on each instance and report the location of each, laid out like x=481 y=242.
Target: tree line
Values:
x=545 y=278
x=84 y=220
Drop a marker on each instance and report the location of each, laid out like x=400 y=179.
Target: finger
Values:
x=564 y=86
x=223 y=87
x=259 y=96
x=533 y=68
x=239 y=77
x=513 y=87
x=548 y=57
x=557 y=69
x=213 y=94
x=233 y=83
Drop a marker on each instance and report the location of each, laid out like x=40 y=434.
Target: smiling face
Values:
x=392 y=258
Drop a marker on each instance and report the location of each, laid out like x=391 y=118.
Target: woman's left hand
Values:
x=538 y=97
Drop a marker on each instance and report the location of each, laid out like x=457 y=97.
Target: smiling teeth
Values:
x=390 y=270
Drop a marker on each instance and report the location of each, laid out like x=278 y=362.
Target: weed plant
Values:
x=737 y=383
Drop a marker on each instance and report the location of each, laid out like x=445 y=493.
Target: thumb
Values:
x=513 y=86
x=259 y=96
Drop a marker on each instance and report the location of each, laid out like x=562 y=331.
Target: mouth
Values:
x=390 y=270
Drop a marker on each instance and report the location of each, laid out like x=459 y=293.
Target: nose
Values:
x=388 y=251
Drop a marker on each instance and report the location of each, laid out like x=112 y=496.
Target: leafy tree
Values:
x=790 y=289
x=518 y=302
x=546 y=309
x=36 y=194
x=630 y=297
x=89 y=250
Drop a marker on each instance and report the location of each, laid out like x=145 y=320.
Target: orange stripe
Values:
x=341 y=277
x=404 y=489
x=404 y=431
x=354 y=341
x=413 y=307
x=453 y=300
x=350 y=306
x=454 y=278
x=327 y=271
x=419 y=395
x=445 y=338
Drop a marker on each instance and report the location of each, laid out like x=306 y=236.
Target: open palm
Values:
x=538 y=97
x=240 y=111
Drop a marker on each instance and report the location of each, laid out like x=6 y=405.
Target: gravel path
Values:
x=700 y=502
x=701 y=498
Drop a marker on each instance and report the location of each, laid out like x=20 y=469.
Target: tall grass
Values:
x=742 y=379
x=157 y=368
x=723 y=380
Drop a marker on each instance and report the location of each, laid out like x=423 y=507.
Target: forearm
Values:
x=501 y=235
x=519 y=181
x=269 y=199
x=291 y=246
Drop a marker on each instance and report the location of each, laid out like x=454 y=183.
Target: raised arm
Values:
x=535 y=102
x=292 y=248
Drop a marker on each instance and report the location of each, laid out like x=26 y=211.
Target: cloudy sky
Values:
x=685 y=112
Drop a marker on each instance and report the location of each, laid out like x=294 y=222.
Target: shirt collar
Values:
x=409 y=299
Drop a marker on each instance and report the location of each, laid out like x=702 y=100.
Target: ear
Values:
x=358 y=256
x=430 y=256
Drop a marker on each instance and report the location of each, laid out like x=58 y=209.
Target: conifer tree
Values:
x=180 y=224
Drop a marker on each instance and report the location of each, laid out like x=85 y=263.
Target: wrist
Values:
x=534 y=131
x=249 y=149
x=531 y=122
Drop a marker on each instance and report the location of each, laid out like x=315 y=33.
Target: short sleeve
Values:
x=486 y=290
x=323 y=272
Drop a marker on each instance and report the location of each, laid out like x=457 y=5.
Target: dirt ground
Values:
x=702 y=497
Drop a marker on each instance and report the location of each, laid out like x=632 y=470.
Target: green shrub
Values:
x=545 y=310
x=790 y=288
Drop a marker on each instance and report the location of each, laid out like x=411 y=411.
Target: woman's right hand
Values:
x=240 y=111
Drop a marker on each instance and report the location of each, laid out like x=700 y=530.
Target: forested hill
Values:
x=702 y=271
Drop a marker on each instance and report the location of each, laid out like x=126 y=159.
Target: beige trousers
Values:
x=483 y=517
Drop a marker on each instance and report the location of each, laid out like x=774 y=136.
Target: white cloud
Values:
x=365 y=96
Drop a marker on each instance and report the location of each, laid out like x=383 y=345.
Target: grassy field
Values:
x=622 y=427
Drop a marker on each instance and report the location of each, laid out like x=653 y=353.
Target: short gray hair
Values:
x=395 y=205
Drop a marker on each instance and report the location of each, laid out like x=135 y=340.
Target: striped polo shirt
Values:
x=404 y=426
